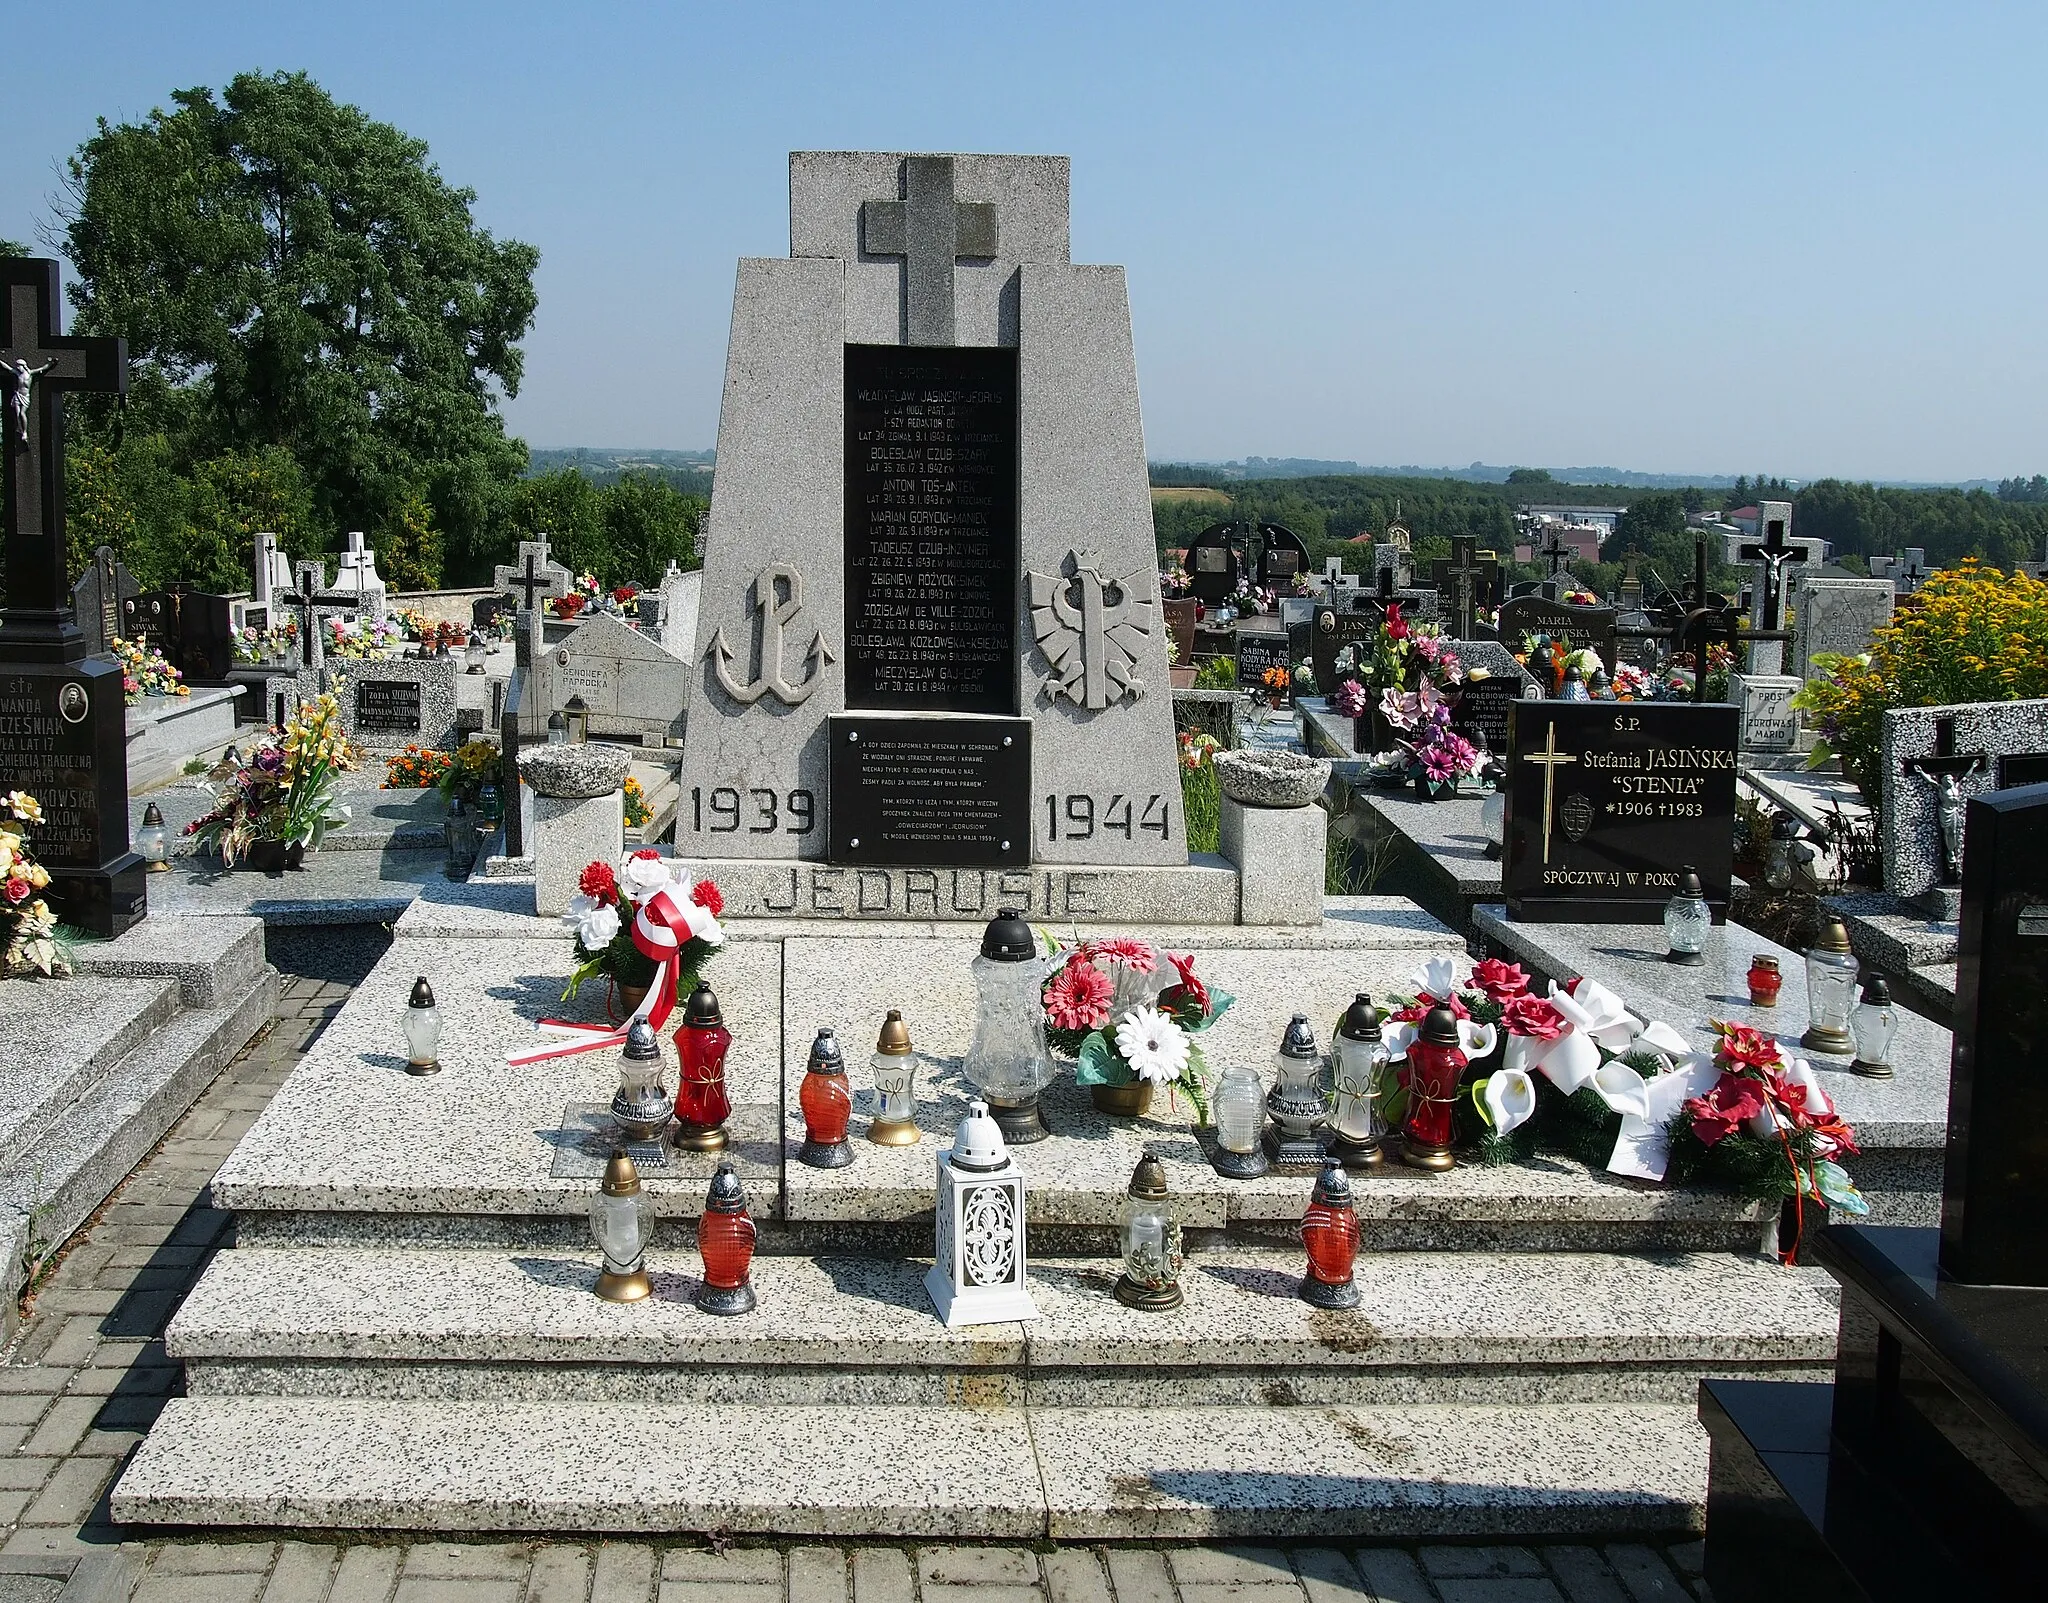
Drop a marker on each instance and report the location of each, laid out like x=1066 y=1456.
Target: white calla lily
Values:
x=1596 y=1012
x=1438 y=976
x=1476 y=1040
x=1621 y=1088
x=1570 y=1061
x=1666 y=1042
x=1510 y=1099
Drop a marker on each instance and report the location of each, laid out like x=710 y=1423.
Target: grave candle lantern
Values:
x=1572 y=683
x=1830 y=991
x=621 y=1219
x=558 y=730
x=827 y=1103
x=152 y=842
x=1008 y=1062
x=576 y=721
x=1875 y=1024
x=1436 y=1063
x=1296 y=1102
x=725 y=1238
x=1778 y=855
x=977 y=1276
x=641 y=1105
x=1329 y=1232
x=703 y=1103
x=422 y=1021
x=1687 y=919
x=1240 y=1111
x=1355 y=1121
x=1150 y=1241
x=1766 y=979
x=895 y=1069
x=474 y=654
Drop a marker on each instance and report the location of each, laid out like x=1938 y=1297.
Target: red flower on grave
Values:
x=1189 y=993
x=1418 y=1010
x=1078 y=997
x=1500 y=981
x=1531 y=1017
x=707 y=896
x=1397 y=626
x=17 y=890
x=1135 y=955
x=1723 y=1111
x=599 y=883
x=624 y=592
x=647 y=854
x=1743 y=1047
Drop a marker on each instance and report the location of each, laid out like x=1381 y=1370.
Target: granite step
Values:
x=1457 y=1327
x=57 y=1039
x=958 y=1472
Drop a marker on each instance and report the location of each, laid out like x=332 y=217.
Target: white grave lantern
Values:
x=979 y=1276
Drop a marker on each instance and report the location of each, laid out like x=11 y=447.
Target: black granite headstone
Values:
x=1606 y=801
x=1581 y=627
x=484 y=610
x=1282 y=555
x=96 y=600
x=923 y=791
x=1330 y=632
x=931 y=528
x=1212 y=564
x=1256 y=652
x=1480 y=710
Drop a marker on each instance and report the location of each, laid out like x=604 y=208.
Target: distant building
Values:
x=1605 y=518
x=1583 y=539
x=1744 y=518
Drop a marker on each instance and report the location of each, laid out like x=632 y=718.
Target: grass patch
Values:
x=1201 y=801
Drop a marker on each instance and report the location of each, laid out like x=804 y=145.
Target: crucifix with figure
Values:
x=1463 y=573
x=1773 y=553
x=40 y=367
x=932 y=232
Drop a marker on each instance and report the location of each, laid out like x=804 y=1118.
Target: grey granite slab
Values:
x=341 y=887
x=356 y=1464
x=1909 y=1110
x=58 y=1036
x=351 y=1131
x=1389 y=1472
x=1448 y=830
x=212 y=959
x=379 y=819
x=1893 y=934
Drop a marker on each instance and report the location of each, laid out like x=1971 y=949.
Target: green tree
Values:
x=234 y=496
x=409 y=548
x=569 y=510
x=9 y=248
x=291 y=273
x=1530 y=476
x=98 y=511
x=1659 y=512
x=648 y=524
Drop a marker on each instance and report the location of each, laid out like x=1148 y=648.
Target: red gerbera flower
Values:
x=1078 y=997
x=707 y=896
x=647 y=854
x=1189 y=992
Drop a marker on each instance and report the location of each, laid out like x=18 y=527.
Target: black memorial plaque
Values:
x=1256 y=652
x=1212 y=564
x=2017 y=769
x=1330 y=632
x=920 y=791
x=1281 y=556
x=1606 y=801
x=1480 y=713
x=64 y=740
x=388 y=706
x=931 y=528
x=1581 y=627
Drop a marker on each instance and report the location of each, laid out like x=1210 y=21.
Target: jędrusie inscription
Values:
x=931 y=528
x=930 y=790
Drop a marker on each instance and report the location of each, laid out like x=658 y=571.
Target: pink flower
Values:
x=1437 y=764
x=1134 y=955
x=17 y=890
x=1501 y=981
x=1349 y=700
x=1078 y=997
x=1740 y=1046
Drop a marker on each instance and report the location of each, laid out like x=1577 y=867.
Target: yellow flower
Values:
x=38 y=875
x=25 y=806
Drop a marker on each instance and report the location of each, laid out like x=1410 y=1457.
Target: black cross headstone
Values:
x=1554 y=551
x=530 y=581
x=931 y=231
x=39 y=366
x=1461 y=575
x=1773 y=552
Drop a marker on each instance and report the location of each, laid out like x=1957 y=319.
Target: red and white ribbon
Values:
x=665 y=921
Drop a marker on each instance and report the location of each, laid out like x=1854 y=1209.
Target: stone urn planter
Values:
x=1271 y=778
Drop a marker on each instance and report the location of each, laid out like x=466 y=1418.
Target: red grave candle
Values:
x=725 y=1238
x=1436 y=1063
x=827 y=1104
x=702 y=1102
x=1329 y=1230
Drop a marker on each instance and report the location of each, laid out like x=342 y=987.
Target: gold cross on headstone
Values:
x=1551 y=759
x=931 y=231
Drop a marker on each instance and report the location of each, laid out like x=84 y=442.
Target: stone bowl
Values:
x=1271 y=778
x=573 y=771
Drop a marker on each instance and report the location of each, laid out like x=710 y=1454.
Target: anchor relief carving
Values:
x=1091 y=630
x=778 y=601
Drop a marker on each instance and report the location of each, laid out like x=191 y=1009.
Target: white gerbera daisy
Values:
x=1153 y=1045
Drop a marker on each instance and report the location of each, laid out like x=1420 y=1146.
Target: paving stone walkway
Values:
x=88 y=1373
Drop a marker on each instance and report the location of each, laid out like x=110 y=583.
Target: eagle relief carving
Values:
x=1092 y=630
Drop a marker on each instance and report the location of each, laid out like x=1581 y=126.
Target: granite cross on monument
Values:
x=930 y=230
x=1554 y=551
x=1772 y=554
x=1464 y=573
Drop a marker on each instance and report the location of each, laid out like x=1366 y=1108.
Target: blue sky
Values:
x=1799 y=238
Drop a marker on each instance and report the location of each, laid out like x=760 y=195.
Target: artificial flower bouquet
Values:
x=286 y=791
x=415 y=768
x=146 y=672
x=620 y=917
x=413 y=622
x=1105 y=1006
x=28 y=927
x=1399 y=656
x=473 y=766
x=1276 y=680
x=637 y=807
x=362 y=638
x=253 y=645
x=1427 y=750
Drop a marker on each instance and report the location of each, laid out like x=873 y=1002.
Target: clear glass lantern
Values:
x=1008 y=1062
x=1875 y=1024
x=621 y=1220
x=152 y=840
x=1240 y=1112
x=1687 y=919
x=1778 y=865
x=1355 y=1125
x=894 y=1066
x=1830 y=992
x=1150 y=1239
x=474 y=653
x=1298 y=1104
x=641 y=1106
x=558 y=730
x=422 y=1022
x=576 y=718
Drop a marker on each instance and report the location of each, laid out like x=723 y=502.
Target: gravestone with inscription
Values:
x=193 y=630
x=1214 y=575
x=97 y=597
x=1838 y=616
x=1259 y=650
x=63 y=725
x=1583 y=628
x=1607 y=801
x=1282 y=556
x=628 y=684
x=389 y=703
x=931 y=527
x=1493 y=683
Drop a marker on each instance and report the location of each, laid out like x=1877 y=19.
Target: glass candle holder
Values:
x=1297 y=1103
x=725 y=1240
x=894 y=1065
x=1765 y=980
x=703 y=1103
x=152 y=840
x=826 y=1100
x=422 y=1022
x=1687 y=919
x=1436 y=1063
x=621 y=1220
x=1008 y=1062
x=1329 y=1234
x=1875 y=1025
x=1240 y=1114
x=641 y=1105
x=1150 y=1238
x=1830 y=992
x=1355 y=1124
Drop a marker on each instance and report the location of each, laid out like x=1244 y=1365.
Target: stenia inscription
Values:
x=931 y=528
x=1607 y=801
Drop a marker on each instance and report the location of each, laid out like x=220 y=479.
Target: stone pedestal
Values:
x=1279 y=856
x=578 y=816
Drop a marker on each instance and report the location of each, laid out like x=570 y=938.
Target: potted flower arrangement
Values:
x=1399 y=656
x=625 y=598
x=1104 y=1005
x=413 y=621
x=637 y=808
x=281 y=803
x=415 y=768
x=568 y=606
x=1276 y=680
x=361 y=638
x=1429 y=752
x=606 y=917
x=145 y=672
x=473 y=765
x=28 y=928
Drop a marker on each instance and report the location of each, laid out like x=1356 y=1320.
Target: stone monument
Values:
x=930 y=628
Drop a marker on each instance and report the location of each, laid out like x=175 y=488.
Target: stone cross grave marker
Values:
x=1464 y=579
x=1906 y=572
x=1772 y=555
x=357 y=574
x=272 y=571
x=68 y=742
x=532 y=578
x=929 y=630
x=1554 y=551
x=1934 y=760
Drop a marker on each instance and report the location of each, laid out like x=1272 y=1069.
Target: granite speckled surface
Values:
x=212 y=959
x=351 y=1130
x=1892 y=933
x=338 y=1463
x=1908 y=1110
x=57 y=1036
x=339 y=887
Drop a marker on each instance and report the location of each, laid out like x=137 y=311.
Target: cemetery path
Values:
x=88 y=1374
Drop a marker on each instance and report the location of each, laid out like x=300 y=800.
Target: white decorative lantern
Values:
x=979 y=1276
